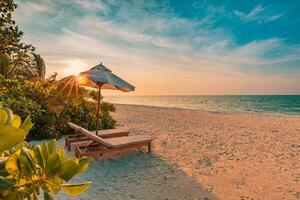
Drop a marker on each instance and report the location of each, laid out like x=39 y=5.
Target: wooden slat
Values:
x=95 y=137
x=125 y=141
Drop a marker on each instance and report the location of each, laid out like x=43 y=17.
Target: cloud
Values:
x=92 y=6
x=259 y=14
x=146 y=41
x=27 y=10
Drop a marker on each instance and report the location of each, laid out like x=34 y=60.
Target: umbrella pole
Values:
x=98 y=107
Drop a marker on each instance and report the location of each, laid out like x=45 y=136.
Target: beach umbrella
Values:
x=101 y=77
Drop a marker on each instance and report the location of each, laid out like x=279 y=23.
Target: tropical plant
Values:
x=17 y=59
x=51 y=108
x=26 y=169
x=11 y=130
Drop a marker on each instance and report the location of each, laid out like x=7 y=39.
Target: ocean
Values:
x=277 y=104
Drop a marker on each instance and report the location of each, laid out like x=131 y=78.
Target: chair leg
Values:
x=77 y=152
x=66 y=141
x=149 y=147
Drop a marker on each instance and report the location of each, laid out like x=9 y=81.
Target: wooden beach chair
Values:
x=80 y=139
x=100 y=146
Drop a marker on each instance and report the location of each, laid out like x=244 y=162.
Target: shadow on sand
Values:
x=138 y=176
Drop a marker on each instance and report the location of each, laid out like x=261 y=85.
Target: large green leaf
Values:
x=75 y=189
x=10 y=136
x=53 y=165
x=70 y=169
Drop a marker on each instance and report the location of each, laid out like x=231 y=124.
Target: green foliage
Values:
x=17 y=59
x=10 y=125
x=51 y=108
x=106 y=121
x=26 y=169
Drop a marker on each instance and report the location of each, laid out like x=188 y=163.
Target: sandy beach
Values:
x=230 y=155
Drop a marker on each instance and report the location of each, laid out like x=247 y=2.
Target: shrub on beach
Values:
x=51 y=106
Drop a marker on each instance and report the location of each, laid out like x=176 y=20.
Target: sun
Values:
x=75 y=67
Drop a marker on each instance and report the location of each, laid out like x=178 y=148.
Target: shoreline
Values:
x=211 y=111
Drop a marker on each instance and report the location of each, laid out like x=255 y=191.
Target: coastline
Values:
x=212 y=111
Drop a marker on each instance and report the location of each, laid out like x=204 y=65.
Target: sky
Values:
x=171 y=47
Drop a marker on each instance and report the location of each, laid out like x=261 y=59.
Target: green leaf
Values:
x=40 y=156
x=5 y=184
x=11 y=165
x=9 y=115
x=70 y=169
x=51 y=146
x=26 y=152
x=45 y=151
x=53 y=185
x=25 y=166
x=62 y=154
x=47 y=196
x=83 y=164
x=16 y=122
x=3 y=116
x=75 y=189
x=53 y=165
x=10 y=136
x=27 y=125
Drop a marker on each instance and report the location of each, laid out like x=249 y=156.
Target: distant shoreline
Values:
x=202 y=95
x=210 y=111
x=275 y=105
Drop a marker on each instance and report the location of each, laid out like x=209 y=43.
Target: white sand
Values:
x=229 y=155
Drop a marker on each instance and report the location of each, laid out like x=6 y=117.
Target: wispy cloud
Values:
x=259 y=14
x=28 y=10
x=151 y=41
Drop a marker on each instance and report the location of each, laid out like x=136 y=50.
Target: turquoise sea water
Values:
x=279 y=104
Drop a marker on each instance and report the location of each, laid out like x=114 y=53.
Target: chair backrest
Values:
x=74 y=126
x=94 y=137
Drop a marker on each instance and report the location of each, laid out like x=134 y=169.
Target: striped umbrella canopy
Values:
x=102 y=78
x=101 y=75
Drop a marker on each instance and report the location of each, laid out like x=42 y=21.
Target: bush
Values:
x=51 y=107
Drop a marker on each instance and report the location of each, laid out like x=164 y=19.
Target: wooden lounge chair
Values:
x=81 y=139
x=100 y=146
